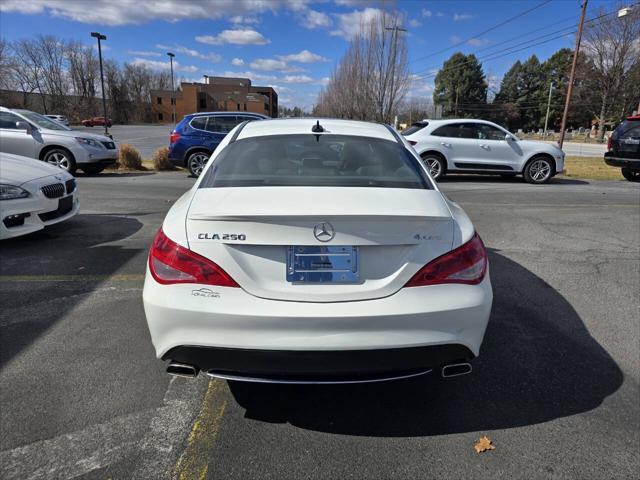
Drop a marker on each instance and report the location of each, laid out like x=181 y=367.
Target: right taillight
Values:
x=171 y=263
x=466 y=264
x=609 y=142
x=174 y=137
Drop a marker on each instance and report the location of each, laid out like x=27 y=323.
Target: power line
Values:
x=504 y=22
x=509 y=51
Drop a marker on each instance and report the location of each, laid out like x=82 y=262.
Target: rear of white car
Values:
x=313 y=256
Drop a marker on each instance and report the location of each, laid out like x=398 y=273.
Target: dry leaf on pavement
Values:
x=483 y=444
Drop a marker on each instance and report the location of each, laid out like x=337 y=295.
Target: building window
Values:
x=159 y=100
x=203 y=103
x=160 y=117
x=173 y=101
x=245 y=107
x=238 y=106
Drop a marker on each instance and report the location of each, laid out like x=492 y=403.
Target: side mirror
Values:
x=509 y=138
x=24 y=126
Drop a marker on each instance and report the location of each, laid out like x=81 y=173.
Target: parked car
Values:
x=33 y=195
x=32 y=135
x=328 y=255
x=96 y=122
x=59 y=118
x=198 y=134
x=623 y=149
x=478 y=146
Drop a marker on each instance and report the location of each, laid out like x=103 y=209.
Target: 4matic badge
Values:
x=222 y=236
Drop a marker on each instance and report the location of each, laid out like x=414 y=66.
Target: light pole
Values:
x=173 y=91
x=100 y=37
x=546 y=119
x=572 y=75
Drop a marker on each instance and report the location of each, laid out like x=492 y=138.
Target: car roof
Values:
x=292 y=126
x=248 y=114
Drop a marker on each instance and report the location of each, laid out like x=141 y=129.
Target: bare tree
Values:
x=612 y=45
x=372 y=77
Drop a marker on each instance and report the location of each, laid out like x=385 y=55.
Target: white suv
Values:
x=32 y=135
x=478 y=146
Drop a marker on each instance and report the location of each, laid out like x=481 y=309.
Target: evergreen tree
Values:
x=461 y=83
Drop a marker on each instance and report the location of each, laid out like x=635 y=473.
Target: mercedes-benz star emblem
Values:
x=324 y=232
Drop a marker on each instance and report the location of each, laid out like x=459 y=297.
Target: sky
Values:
x=293 y=45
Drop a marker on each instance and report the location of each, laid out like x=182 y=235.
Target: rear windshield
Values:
x=415 y=127
x=627 y=129
x=309 y=160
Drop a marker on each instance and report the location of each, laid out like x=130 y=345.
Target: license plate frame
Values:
x=323 y=264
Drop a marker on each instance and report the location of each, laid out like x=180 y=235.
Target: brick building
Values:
x=217 y=94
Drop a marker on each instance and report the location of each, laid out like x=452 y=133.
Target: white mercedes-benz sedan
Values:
x=316 y=251
x=33 y=195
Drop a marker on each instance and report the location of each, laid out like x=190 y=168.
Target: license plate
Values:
x=322 y=264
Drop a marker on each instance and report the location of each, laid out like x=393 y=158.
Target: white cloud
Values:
x=268 y=64
x=479 y=42
x=127 y=12
x=460 y=17
x=349 y=23
x=426 y=13
x=237 y=62
x=251 y=75
x=323 y=81
x=105 y=48
x=160 y=65
x=143 y=53
x=313 y=19
x=179 y=49
x=455 y=39
x=243 y=19
x=240 y=36
x=414 y=23
x=297 y=79
x=305 y=56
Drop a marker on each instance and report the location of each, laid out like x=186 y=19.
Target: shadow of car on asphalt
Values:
x=538 y=362
x=47 y=253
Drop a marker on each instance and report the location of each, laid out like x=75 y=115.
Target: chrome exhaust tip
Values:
x=182 y=370
x=456 y=369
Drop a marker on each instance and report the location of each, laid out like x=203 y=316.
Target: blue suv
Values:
x=196 y=137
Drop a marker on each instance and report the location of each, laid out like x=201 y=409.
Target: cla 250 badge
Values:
x=222 y=236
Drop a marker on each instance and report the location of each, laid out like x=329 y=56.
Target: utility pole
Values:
x=546 y=119
x=395 y=29
x=173 y=91
x=99 y=36
x=572 y=76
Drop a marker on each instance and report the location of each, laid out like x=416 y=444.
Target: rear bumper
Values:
x=319 y=365
x=632 y=163
x=220 y=328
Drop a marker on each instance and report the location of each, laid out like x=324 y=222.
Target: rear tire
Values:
x=196 y=162
x=92 y=169
x=539 y=170
x=631 y=175
x=435 y=164
x=61 y=158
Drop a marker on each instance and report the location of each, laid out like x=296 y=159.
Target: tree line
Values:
x=606 y=87
x=62 y=77
x=372 y=81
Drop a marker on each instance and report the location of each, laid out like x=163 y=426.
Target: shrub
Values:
x=161 y=159
x=129 y=158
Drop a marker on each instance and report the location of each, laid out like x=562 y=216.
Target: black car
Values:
x=624 y=148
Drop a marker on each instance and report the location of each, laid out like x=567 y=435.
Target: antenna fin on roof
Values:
x=317 y=127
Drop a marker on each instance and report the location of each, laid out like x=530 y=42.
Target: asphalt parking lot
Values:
x=557 y=385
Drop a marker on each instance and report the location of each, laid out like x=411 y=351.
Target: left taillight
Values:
x=466 y=264
x=174 y=137
x=171 y=263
